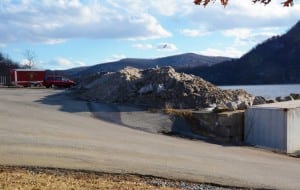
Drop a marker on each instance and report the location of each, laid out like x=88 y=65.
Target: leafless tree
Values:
x=30 y=57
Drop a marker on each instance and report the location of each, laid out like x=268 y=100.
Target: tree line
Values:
x=6 y=65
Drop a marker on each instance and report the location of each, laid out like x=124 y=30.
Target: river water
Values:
x=268 y=91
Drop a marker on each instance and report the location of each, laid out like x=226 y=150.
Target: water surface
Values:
x=268 y=91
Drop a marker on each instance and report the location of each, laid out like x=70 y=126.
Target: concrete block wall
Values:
x=226 y=126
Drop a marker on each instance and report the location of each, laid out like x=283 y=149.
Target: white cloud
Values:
x=166 y=47
x=165 y=7
x=193 y=32
x=24 y=62
x=226 y=52
x=240 y=33
x=241 y=24
x=143 y=46
x=61 y=63
x=249 y=37
x=151 y=24
x=54 y=41
x=215 y=18
x=115 y=57
x=50 y=21
x=244 y=14
x=36 y=63
x=2 y=45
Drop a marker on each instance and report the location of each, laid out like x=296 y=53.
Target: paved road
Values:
x=37 y=128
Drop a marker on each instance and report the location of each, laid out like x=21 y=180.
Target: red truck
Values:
x=58 y=81
x=31 y=77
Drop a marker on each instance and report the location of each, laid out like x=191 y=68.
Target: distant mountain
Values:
x=275 y=61
x=188 y=60
x=74 y=71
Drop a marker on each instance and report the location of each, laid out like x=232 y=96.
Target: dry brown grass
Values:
x=13 y=178
x=187 y=114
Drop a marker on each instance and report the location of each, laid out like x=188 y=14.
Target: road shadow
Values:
x=66 y=101
x=128 y=116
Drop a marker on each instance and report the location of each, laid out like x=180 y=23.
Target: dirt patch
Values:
x=12 y=178
x=37 y=178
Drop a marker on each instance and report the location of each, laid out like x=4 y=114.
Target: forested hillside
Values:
x=275 y=61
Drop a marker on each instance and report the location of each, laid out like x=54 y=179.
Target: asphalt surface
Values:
x=41 y=127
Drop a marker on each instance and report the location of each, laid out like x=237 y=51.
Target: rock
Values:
x=243 y=106
x=154 y=87
x=259 y=100
x=280 y=99
x=232 y=106
x=270 y=101
x=283 y=99
x=160 y=88
x=295 y=96
x=146 y=89
x=288 y=98
x=220 y=109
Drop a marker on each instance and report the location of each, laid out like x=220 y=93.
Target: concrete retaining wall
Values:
x=226 y=126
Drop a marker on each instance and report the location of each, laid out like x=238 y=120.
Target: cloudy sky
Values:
x=71 y=33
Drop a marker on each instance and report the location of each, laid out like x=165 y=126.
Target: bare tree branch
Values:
x=286 y=3
x=30 y=57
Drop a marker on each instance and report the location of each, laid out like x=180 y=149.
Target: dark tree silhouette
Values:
x=6 y=65
x=286 y=3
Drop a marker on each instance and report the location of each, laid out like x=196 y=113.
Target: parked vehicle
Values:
x=32 y=77
x=27 y=77
x=58 y=81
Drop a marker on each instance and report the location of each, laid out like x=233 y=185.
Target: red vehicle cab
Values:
x=57 y=81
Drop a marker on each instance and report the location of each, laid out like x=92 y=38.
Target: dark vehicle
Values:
x=57 y=81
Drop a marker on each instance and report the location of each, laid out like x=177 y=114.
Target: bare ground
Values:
x=12 y=178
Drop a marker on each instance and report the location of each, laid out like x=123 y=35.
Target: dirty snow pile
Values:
x=160 y=87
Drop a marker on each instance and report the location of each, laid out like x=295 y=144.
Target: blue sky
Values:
x=70 y=33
